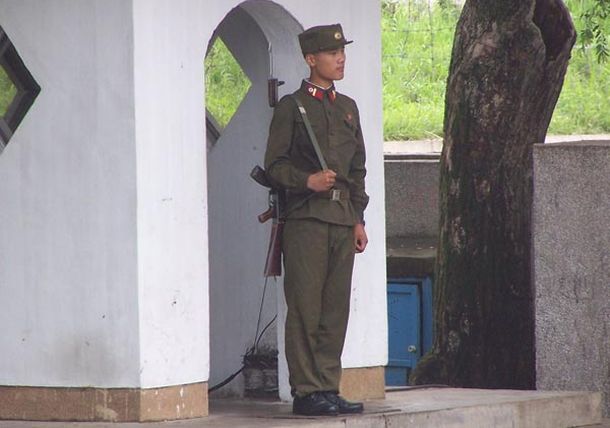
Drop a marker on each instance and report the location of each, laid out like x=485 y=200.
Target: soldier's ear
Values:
x=310 y=59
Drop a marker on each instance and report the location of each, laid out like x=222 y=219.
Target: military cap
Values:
x=322 y=38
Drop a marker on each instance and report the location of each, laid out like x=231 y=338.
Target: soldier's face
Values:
x=328 y=65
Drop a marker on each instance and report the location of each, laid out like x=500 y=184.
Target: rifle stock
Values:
x=267 y=215
x=273 y=264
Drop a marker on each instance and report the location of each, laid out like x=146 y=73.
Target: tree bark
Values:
x=508 y=63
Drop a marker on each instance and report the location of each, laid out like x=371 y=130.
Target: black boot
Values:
x=314 y=404
x=342 y=404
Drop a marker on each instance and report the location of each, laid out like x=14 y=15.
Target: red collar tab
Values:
x=317 y=92
x=332 y=94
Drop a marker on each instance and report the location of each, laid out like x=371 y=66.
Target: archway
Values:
x=262 y=37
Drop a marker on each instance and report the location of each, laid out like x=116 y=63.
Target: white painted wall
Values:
x=237 y=240
x=68 y=278
x=169 y=49
x=104 y=277
x=103 y=222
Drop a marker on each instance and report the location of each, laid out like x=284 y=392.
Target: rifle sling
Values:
x=312 y=136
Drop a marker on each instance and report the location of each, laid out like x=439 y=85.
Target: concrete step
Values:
x=420 y=408
x=453 y=408
x=605 y=424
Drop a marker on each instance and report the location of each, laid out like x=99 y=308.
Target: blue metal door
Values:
x=404 y=329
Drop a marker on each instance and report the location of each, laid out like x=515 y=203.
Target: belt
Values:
x=333 y=194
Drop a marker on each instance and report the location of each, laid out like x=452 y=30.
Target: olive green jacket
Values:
x=290 y=157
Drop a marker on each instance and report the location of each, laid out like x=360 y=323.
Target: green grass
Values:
x=7 y=91
x=416 y=63
x=584 y=103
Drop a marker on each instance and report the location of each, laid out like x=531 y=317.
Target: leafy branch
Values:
x=596 y=27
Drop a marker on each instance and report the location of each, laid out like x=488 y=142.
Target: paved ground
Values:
x=423 y=408
x=604 y=424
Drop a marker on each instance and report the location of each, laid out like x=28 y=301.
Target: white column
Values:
x=172 y=197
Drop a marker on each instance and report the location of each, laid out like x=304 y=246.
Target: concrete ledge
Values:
x=408 y=257
x=435 y=145
x=421 y=408
x=499 y=409
x=363 y=383
x=99 y=404
x=426 y=408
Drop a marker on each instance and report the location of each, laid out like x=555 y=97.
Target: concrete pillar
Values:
x=571 y=240
x=103 y=279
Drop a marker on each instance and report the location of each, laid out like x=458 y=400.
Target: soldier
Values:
x=324 y=220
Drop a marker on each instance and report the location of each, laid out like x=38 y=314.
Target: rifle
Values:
x=273 y=263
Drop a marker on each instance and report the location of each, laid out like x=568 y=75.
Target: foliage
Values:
x=7 y=91
x=225 y=82
x=417 y=41
x=584 y=102
x=595 y=27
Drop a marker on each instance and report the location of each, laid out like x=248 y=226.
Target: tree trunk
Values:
x=508 y=64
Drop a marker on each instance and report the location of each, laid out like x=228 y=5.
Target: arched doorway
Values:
x=262 y=38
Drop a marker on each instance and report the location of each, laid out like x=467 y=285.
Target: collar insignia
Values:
x=318 y=93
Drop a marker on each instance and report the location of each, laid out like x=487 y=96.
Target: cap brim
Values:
x=335 y=46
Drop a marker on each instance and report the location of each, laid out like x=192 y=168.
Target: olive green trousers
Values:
x=318 y=263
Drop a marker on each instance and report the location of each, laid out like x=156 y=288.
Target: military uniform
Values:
x=318 y=241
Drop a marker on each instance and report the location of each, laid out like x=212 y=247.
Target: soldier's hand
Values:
x=360 y=238
x=321 y=181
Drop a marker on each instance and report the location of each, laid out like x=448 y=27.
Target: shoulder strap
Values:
x=312 y=136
